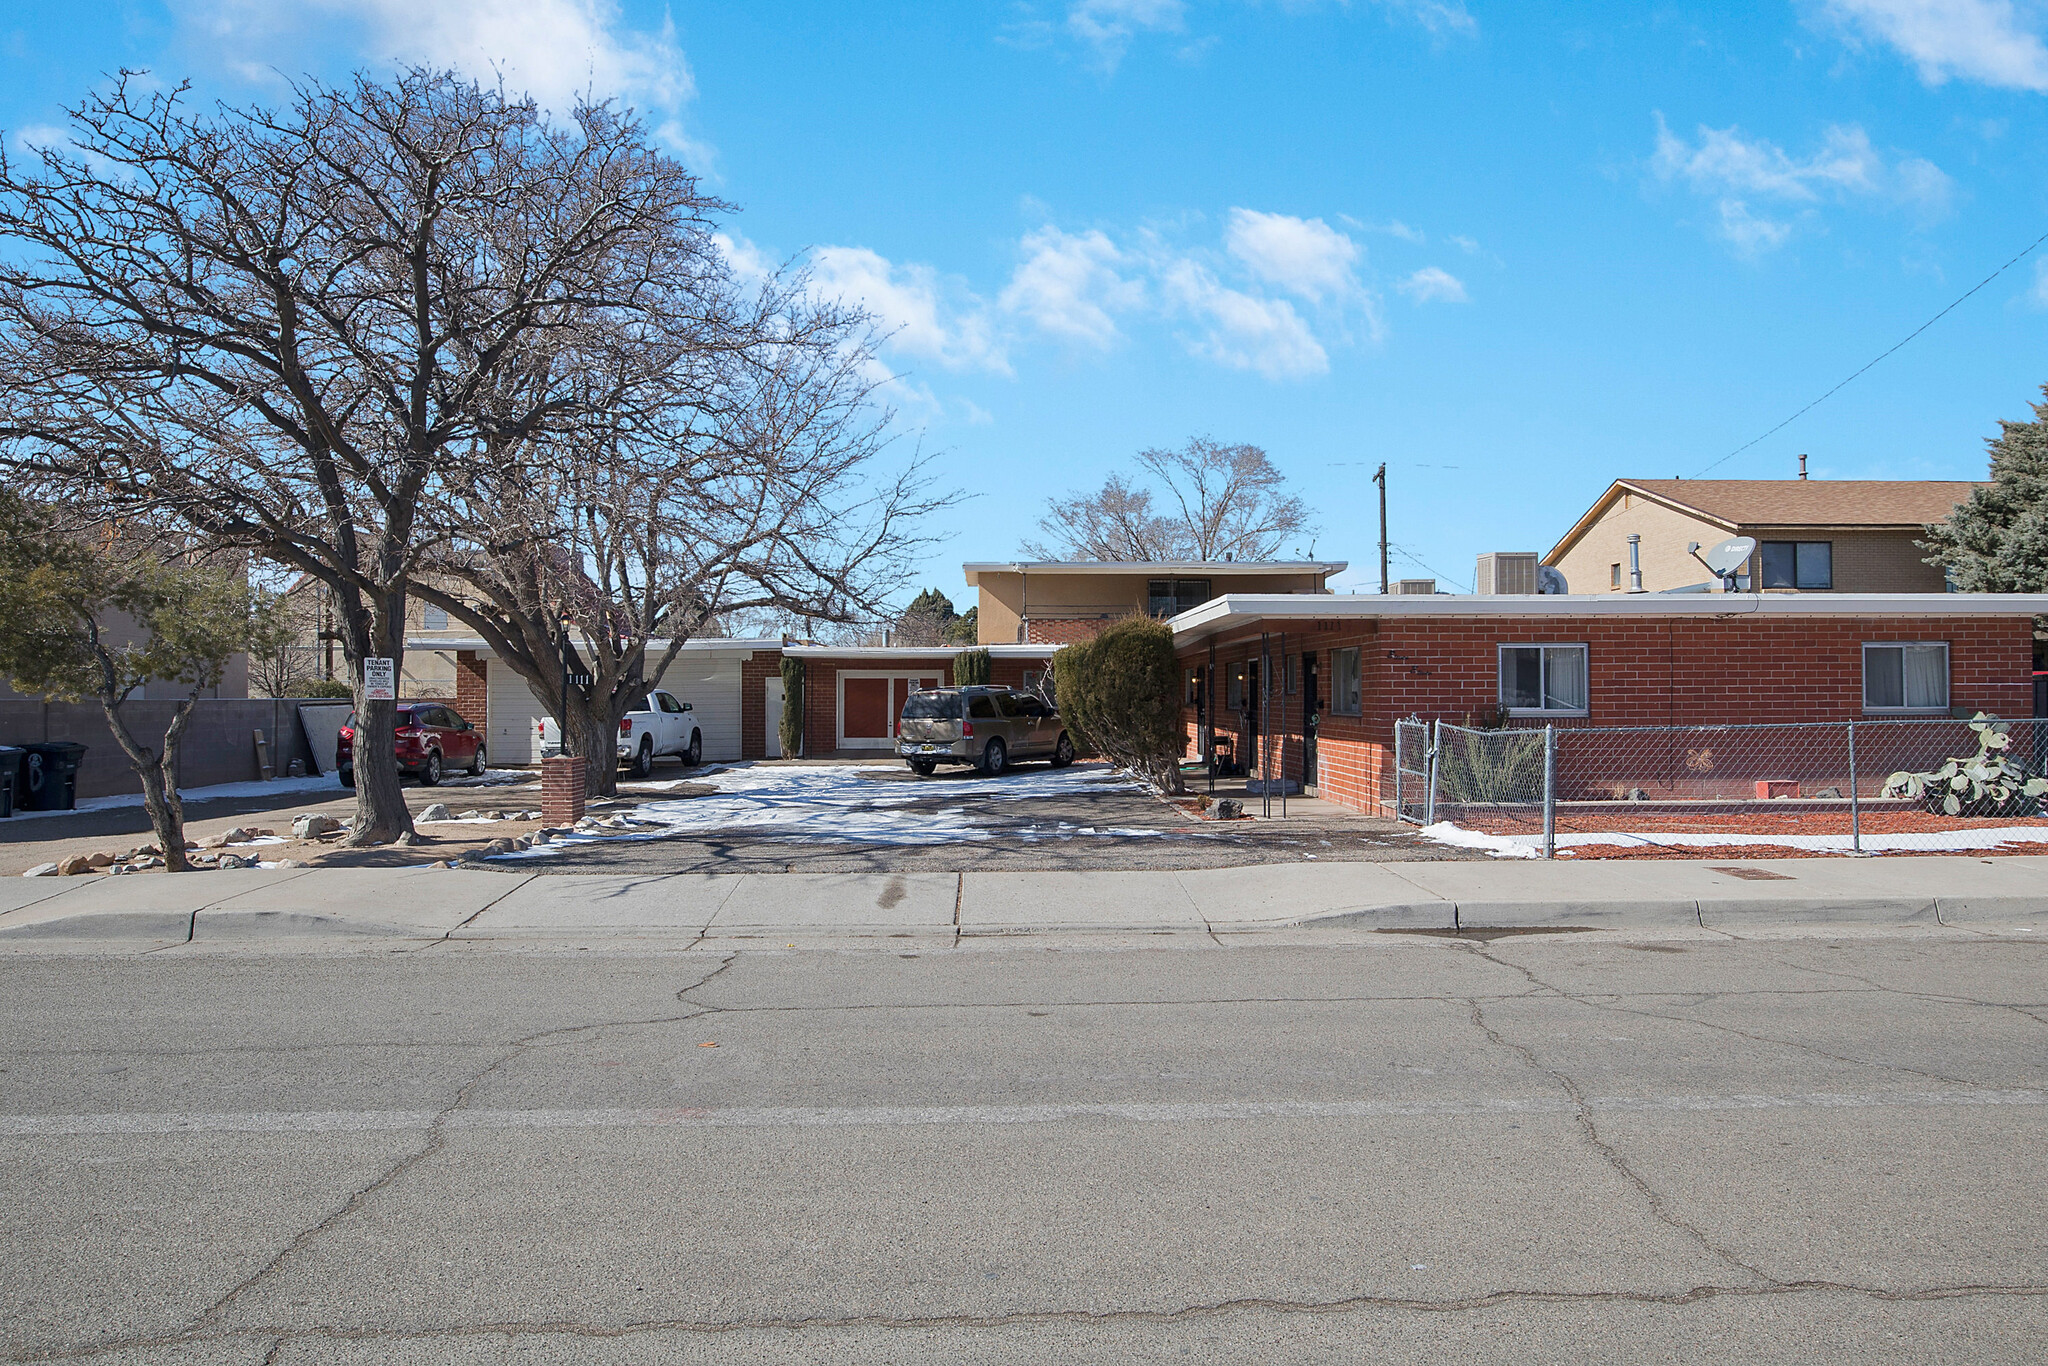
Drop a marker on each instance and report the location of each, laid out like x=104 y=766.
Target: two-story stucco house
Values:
x=1057 y=602
x=1814 y=536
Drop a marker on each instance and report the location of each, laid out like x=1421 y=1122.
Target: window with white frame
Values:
x=1543 y=680
x=1906 y=676
x=1347 y=693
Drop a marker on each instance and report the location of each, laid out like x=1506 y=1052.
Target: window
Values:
x=932 y=706
x=1911 y=676
x=981 y=708
x=434 y=618
x=1543 y=679
x=1799 y=564
x=1347 y=696
x=1289 y=674
x=669 y=704
x=1191 y=687
x=1614 y=575
x=1171 y=597
x=1007 y=704
x=1233 y=687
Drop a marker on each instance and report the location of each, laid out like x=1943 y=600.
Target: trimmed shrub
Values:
x=971 y=667
x=792 y=729
x=1120 y=693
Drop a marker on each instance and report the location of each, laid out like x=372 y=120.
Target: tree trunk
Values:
x=159 y=775
x=594 y=735
x=381 y=812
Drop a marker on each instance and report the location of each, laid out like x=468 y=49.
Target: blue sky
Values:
x=1514 y=251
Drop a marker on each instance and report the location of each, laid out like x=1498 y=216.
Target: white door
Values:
x=772 y=688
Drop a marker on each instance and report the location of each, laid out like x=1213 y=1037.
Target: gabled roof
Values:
x=1736 y=504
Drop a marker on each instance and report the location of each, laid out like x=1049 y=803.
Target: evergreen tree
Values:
x=1997 y=540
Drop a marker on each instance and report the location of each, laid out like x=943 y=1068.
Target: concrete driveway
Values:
x=880 y=817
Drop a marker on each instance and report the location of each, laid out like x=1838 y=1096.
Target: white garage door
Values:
x=709 y=680
x=514 y=710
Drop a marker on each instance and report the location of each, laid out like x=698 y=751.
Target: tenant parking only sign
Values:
x=380 y=681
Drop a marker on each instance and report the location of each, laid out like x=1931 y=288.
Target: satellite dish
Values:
x=1730 y=557
x=1549 y=579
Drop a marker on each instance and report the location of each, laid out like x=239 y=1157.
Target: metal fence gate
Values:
x=1411 y=770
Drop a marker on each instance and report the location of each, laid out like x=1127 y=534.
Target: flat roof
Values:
x=916 y=651
x=974 y=569
x=483 y=647
x=1235 y=610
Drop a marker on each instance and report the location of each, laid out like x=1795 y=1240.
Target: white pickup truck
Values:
x=662 y=725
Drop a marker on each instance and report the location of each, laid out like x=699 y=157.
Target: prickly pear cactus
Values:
x=1989 y=783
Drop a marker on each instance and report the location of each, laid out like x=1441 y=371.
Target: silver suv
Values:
x=982 y=726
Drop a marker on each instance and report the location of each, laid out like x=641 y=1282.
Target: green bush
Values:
x=971 y=667
x=1120 y=693
x=792 y=730
x=325 y=687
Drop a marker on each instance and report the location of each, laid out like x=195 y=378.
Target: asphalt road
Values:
x=1533 y=1148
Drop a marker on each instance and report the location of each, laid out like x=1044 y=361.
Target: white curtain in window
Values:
x=1926 y=676
x=1564 y=679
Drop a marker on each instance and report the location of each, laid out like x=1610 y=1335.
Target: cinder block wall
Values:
x=219 y=744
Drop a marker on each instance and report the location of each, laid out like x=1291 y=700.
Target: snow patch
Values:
x=1957 y=840
x=275 y=787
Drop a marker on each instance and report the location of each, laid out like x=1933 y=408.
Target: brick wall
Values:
x=472 y=689
x=754 y=676
x=1641 y=672
x=1066 y=630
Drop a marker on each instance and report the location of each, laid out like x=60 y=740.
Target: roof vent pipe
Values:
x=1635 y=563
x=1802 y=466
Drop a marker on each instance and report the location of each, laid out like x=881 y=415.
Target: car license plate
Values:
x=927 y=749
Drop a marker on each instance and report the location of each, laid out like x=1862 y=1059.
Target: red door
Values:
x=867 y=709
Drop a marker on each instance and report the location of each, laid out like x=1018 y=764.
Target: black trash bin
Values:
x=49 y=775
x=10 y=778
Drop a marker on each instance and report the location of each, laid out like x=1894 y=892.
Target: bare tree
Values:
x=288 y=328
x=1224 y=502
x=739 y=468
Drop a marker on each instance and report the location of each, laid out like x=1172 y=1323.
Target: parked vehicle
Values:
x=983 y=726
x=431 y=739
x=661 y=725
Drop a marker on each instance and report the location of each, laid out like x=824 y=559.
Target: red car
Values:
x=431 y=740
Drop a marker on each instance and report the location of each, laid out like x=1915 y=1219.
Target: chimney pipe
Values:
x=1802 y=466
x=1635 y=563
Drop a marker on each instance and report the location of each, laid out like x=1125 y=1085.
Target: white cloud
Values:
x=1734 y=170
x=555 y=50
x=1107 y=26
x=1069 y=286
x=1303 y=256
x=921 y=314
x=750 y=265
x=1243 y=331
x=1432 y=284
x=1975 y=40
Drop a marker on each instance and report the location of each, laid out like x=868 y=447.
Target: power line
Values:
x=1909 y=336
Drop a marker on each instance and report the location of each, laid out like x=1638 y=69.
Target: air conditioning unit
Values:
x=1424 y=587
x=1507 y=572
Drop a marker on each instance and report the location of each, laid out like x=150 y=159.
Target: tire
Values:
x=923 y=768
x=430 y=776
x=995 y=757
x=643 y=761
x=1063 y=752
x=478 y=763
x=347 y=776
x=694 y=755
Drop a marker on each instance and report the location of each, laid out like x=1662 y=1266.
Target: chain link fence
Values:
x=1411 y=770
x=1864 y=787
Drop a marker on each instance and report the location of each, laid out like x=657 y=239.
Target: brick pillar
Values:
x=561 y=789
x=472 y=689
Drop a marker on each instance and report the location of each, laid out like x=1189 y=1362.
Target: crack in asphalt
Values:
x=436 y=1140
x=280 y=1337
x=1610 y=1002
x=1583 y=1115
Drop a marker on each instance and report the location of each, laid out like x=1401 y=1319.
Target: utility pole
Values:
x=1381 y=480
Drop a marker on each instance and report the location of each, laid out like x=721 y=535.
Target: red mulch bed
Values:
x=1653 y=823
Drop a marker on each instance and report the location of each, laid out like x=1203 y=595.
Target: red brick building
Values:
x=1356 y=665
x=853 y=695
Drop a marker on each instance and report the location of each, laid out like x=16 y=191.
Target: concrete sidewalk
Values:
x=414 y=904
